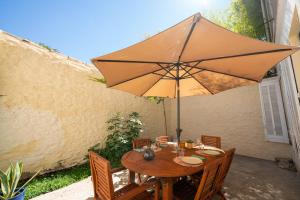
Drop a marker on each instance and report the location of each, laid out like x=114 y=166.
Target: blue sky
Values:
x=87 y=28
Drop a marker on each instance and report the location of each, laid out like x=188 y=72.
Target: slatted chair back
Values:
x=207 y=186
x=162 y=139
x=140 y=142
x=225 y=167
x=211 y=140
x=101 y=177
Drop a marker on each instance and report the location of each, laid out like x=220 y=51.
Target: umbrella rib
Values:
x=198 y=81
x=134 y=78
x=162 y=75
x=167 y=70
x=188 y=76
x=134 y=61
x=239 y=55
x=182 y=76
x=152 y=86
x=236 y=76
x=195 y=21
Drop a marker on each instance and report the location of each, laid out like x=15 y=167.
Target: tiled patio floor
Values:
x=248 y=179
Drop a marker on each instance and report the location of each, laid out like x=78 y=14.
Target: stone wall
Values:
x=51 y=112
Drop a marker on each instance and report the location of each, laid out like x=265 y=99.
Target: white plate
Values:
x=191 y=160
x=211 y=152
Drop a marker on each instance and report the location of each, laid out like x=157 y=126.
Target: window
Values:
x=273 y=111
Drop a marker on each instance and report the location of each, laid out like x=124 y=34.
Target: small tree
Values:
x=243 y=16
x=159 y=100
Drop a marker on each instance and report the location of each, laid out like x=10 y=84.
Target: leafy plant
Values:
x=243 y=16
x=189 y=141
x=47 y=47
x=10 y=179
x=99 y=80
x=119 y=140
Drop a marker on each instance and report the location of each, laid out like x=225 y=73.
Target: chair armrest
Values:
x=114 y=170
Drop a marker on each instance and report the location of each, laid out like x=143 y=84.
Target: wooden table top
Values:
x=162 y=165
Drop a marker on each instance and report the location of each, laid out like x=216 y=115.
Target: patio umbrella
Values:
x=194 y=57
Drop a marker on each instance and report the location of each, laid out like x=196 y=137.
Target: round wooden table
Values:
x=162 y=166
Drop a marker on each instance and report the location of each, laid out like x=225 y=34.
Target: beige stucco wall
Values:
x=51 y=113
x=295 y=41
x=235 y=116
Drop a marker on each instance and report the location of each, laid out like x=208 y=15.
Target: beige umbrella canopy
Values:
x=194 y=57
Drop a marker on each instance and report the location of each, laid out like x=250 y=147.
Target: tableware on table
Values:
x=138 y=150
x=153 y=147
x=145 y=147
x=163 y=145
x=201 y=145
x=191 y=160
x=182 y=144
x=206 y=147
x=149 y=154
x=200 y=157
x=175 y=146
x=211 y=152
x=189 y=144
x=198 y=141
x=180 y=152
x=178 y=161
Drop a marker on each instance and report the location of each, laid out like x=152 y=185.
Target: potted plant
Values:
x=9 y=182
x=189 y=144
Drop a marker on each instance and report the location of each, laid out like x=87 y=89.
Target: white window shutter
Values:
x=273 y=111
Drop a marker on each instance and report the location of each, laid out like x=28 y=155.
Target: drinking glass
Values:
x=175 y=145
x=180 y=153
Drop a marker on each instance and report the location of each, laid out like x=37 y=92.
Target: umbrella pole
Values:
x=178 y=130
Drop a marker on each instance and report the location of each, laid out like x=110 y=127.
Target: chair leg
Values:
x=157 y=192
x=139 y=179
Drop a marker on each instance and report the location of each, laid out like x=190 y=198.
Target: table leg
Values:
x=167 y=188
x=131 y=178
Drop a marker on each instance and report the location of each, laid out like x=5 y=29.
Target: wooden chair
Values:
x=162 y=139
x=141 y=142
x=103 y=184
x=225 y=168
x=211 y=140
x=185 y=189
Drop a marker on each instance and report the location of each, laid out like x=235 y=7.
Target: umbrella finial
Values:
x=197 y=17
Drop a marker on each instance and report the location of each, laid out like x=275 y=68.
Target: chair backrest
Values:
x=207 y=186
x=140 y=142
x=225 y=166
x=211 y=140
x=163 y=138
x=101 y=177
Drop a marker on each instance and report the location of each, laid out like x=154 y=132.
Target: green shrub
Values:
x=121 y=132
